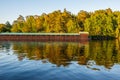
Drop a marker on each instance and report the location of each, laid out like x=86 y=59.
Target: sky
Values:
x=11 y=9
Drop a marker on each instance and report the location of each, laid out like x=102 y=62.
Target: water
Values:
x=94 y=60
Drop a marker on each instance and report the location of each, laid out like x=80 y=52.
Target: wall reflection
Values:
x=100 y=53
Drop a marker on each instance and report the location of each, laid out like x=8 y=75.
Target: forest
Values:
x=98 y=23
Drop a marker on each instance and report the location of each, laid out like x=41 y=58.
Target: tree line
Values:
x=98 y=23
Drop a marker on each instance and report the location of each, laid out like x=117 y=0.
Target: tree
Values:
x=20 y=18
x=8 y=26
x=81 y=17
x=18 y=24
x=2 y=27
x=16 y=27
x=72 y=26
x=118 y=27
x=98 y=23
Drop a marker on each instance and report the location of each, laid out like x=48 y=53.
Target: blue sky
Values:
x=11 y=9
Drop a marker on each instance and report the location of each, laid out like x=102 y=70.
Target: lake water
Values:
x=94 y=60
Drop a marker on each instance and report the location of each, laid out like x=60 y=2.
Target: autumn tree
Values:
x=18 y=24
x=98 y=23
x=2 y=27
x=81 y=17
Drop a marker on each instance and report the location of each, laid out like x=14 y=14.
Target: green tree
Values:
x=8 y=26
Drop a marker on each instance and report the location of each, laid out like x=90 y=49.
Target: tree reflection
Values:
x=5 y=46
x=103 y=53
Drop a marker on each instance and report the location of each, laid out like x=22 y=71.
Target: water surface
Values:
x=94 y=60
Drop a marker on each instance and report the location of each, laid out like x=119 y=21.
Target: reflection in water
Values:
x=105 y=53
x=100 y=53
x=96 y=60
x=57 y=53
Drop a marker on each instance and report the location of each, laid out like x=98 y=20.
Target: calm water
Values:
x=95 y=60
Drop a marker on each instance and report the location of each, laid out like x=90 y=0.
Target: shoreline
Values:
x=102 y=38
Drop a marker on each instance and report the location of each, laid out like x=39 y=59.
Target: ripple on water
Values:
x=13 y=69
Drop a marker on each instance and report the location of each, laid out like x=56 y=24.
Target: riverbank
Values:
x=101 y=38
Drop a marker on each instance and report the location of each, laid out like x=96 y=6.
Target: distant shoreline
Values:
x=102 y=37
